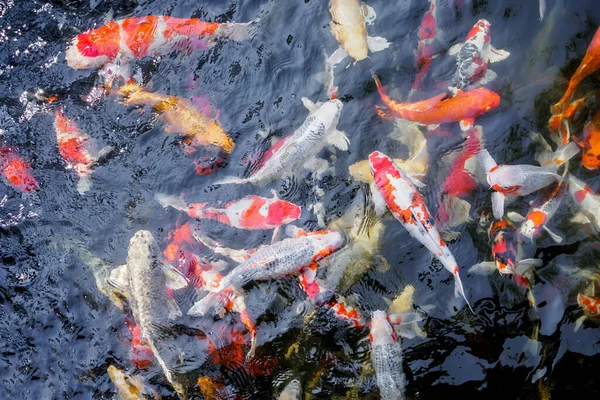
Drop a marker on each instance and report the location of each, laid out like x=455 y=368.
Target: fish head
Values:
x=329 y=113
x=326 y=243
x=380 y=328
x=283 y=212
x=94 y=48
x=481 y=28
x=591 y=158
x=507 y=179
x=533 y=224
x=590 y=305
x=379 y=162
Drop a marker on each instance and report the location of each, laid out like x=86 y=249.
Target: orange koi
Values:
x=463 y=107
x=590 y=143
x=589 y=64
x=141 y=354
x=560 y=122
x=426 y=51
x=179 y=238
x=138 y=37
x=16 y=170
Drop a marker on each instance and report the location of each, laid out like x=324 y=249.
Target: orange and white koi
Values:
x=137 y=37
x=348 y=25
x=16 y=170
x=521 y=180
x=346 y=312
x=589 y=64
x=587 y=199
x=141 y=354
x=426 y=50
x=560 y=122
x=291 y=255
x=543 y=208
x=386 y=357
x=505 y=252
x=463 y=107
x=397 y=190
x=473 y=56
x=181 y=117
x=251 y=212
x=590 y=143
x=591 y=309
x=77 y=148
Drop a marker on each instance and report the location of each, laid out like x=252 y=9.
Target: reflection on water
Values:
x=66 y=323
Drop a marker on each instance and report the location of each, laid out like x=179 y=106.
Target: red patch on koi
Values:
x=103 y=41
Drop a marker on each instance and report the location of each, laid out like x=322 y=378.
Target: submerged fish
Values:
x=473 y=56
x=397 y=191
x=589 y=65
x=520 y=180
x=291 y=391
x=17 y=171
x=251 y=212
x=298 y=150
x=463 y=107
x=426 y=51
x=180 y=116
x=590 y=143
x=386 y=357
x=137 y=37
x=506 y=253
x=276 y=260
x=559 y=122
x=348 y=25
x=77 y=148
x=128 y=387
x=587 y=199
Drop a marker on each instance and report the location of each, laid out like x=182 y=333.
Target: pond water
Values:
x=60 y=333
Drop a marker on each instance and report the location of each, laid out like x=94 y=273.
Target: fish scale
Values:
x=463 y=77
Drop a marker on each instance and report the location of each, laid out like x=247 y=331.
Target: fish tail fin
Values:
x=238 y=31
x=553 y=160
x=232 y=179
x=167 y=200
x=84 y=184
x=459 y=290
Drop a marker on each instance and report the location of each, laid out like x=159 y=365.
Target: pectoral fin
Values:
x=497 y=55
x=498 y=205
x=489 y=77
x=376 y=43
x=338 y=139
x=453 y=51
x=369 y=13
x=310 y=105
x=485 y=160
x=174 y=279
x=379 y=203
x=337 y=56
x=515 y=217
x=118 y=279
x=483 y=268
x=557 y=238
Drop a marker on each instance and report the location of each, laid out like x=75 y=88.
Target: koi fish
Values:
x=463 y=107
x=521 y=180
x=141 y=353
x=397 y=190
x=386 y=357
x=137 y=37
x=298 y=150
x=278 y=259
x=348 y=25
x=589 y=64
x=560 y=122
x=292 y=391
x=587 y=199
x=128 y=387
x=181 y=117
x=426 y=51
x=144 y=282
x=543 y=208
x=505 y=252
x=16 y=170
x=591 y=309
x=251 y=212
x=590 y=143
x=77 y=148
x=473 y=56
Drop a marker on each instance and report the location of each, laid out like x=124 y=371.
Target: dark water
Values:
x=59 y=333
